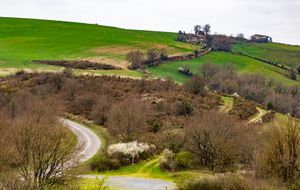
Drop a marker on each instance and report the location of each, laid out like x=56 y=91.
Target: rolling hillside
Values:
x=242 y=63
x=22 y=40
x=280 y=53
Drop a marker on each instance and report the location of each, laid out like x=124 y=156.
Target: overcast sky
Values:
x=279 y=19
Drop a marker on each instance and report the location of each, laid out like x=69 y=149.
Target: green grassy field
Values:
x=280 y=53
x=22 y=40
x=146 y=169
x=242 y=63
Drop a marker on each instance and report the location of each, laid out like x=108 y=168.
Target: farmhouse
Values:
x=195 y=37
x=261 y=38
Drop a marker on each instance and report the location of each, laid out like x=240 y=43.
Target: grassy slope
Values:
x=280 y=53
x=241 y=62
x=146 y=169
x=22 y=40
x=28 y=39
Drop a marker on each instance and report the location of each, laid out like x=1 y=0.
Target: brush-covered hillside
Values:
x=23 y=40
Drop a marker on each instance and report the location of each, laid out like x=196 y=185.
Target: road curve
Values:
x=92 y=144
x=85 y=136
x=259 y=115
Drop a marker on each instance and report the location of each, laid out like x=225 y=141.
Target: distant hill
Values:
x=22 y=40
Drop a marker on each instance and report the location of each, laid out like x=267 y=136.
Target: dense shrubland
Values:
x=253 y=86
x=181 y=121
x=130 y=109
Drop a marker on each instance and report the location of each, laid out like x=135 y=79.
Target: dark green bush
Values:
x=184 y=108
x=103 y=162
x=155 y=128
x=182 y=159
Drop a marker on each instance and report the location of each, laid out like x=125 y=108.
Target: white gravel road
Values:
x=91 y=141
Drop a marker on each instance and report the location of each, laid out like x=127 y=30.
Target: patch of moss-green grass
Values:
x=156 y=173
x=282 y=54
x=127 y=170
x=190 y=175
x=146 y=169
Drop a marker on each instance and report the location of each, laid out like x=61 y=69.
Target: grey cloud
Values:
x=277 y=18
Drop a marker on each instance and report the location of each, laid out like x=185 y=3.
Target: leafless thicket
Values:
x=36 y=151
x=135 y=58
x=279 y=152
x=127 y=119
x=253 y=86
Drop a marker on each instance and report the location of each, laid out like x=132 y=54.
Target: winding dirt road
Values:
x=259 y=115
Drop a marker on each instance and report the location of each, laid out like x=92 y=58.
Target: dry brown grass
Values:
x=7 y=71
x=101 y=59
x=122 y=50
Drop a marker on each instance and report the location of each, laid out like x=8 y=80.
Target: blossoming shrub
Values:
x=124 y=151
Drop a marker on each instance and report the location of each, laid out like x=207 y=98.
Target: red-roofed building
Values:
x=194 y=37
x=261 y=38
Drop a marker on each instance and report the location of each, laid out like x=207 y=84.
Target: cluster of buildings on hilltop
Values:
x=254 y=38
x=261 y=38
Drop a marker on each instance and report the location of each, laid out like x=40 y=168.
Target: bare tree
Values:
x=280 y=149
x=206 y=29
x=221 y=43
x=58 y=80
x=70 y=89
x=207 y=69
x=43 y=148
x=172 y=138
x=294 y=90
x=210 y=136
x=100 y=110
x=163 y=54
x=152 y=54
x=195 y=84
x=135 y=59
x=229 y=86
x=240 y=36
x=197 y=29
x=226 y=71
x=280 y=88
x=127 y=119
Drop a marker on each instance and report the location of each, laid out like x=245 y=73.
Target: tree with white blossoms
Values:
x=126 y=150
